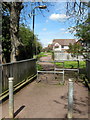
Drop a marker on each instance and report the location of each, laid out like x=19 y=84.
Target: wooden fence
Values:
x=20 y=70
x=88 y=69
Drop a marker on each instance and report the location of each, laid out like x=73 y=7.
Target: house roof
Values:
x=65 y=42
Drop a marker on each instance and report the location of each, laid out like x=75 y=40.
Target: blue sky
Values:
x=53 y=25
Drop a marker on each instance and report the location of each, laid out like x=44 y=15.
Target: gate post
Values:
x=70 y=99
x=11 y=98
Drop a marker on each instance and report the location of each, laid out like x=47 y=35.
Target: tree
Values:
x=83 y=28
x=26 y=40
x=37 y=47
x=83 y=34
x=77 y=9
x=6 y=43
x=14 y=9
x=75 y=49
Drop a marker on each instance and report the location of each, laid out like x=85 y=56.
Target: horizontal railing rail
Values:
x=20 y=71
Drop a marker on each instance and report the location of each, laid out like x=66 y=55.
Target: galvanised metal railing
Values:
x=88 y=69
x=0 y=79
x=20 y=71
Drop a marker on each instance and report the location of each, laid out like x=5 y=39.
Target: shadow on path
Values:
x=19 y=110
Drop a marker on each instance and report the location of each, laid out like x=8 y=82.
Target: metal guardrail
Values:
x=88 y=69
x=20 y=70
x=0 y=79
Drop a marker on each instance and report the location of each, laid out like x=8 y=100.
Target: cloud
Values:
x=60 y=17
x=66 y=32
x=62 y=29
x=44 y=29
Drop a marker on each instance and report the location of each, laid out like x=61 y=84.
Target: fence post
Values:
x=70 y=99
x=11 y=98
x=0 y=91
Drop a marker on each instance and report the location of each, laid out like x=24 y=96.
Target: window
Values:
x=62 y=46
x=56 y=46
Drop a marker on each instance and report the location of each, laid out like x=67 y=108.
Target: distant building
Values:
x=62 y=44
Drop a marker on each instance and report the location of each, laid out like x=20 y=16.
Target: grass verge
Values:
x=72 y=64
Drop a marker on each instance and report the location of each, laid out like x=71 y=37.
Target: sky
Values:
x=51 y=25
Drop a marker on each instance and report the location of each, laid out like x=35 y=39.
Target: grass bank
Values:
x=72 y=64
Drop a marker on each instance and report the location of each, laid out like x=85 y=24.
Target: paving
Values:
x=40 y=100
x=45 y=100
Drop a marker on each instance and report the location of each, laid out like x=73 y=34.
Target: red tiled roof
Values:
x=64 y=41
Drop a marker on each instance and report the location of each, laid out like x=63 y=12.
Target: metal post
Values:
x=63 y=72
x=78 y=66
x=33 y=31
x=0 y=91
x=70 y=98
x=63 y=77
x=11 y=98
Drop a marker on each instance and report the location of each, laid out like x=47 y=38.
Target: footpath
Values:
x=41 y=100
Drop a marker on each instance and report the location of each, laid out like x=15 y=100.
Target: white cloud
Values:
x=50 y=42
x=66 y=32
x=62 y=29
x=44 y=29
x=59 y=17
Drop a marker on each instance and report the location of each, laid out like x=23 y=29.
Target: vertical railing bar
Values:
x=11 y=98
x=70 y=98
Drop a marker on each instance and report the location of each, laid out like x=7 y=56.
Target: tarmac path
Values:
x=43 y=100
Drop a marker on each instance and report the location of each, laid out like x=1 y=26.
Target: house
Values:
x=62 y=44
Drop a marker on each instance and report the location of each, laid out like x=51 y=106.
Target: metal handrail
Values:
x=20 y=70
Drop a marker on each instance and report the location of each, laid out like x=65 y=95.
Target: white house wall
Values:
x=66 y=47
x=57 y=49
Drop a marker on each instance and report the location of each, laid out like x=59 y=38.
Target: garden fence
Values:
x=20 y=70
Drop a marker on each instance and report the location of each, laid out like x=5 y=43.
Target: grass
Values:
x=39 y=67
x=42 y=54
x=72 y=64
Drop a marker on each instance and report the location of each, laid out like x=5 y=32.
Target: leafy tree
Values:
x=83 y=34
x=26 y=40
x=6 y=42
x=14 y=9
x=37 y=47
x=75 y=49
x=11 y=42
x=83 y=30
